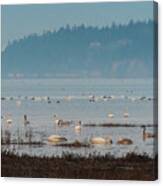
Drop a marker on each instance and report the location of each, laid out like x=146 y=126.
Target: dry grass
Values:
x=117 y=125
x=130 y=167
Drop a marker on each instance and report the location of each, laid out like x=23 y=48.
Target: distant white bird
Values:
x=56 y=120
x=125 y=114
x=18 y=103
x=68 y=98
x=61 y=122
x=78 y=127
x=110 y=115
x=92 y=98
x=38 y=98
x=8 y=119
x=147 y=135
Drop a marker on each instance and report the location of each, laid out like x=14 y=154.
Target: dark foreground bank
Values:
x=131 y=167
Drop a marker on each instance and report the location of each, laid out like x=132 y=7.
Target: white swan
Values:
x=125 y=114
x=18 y=103
x=78 y=127
x=38 y=98
x=92 y=98
x=68 y=98
x=56 y=119
x=101 y=140
x=110 y=115
x=147 y=135
x=8 y=119
x=56 y=138
x=61 y=122
x=124 y=141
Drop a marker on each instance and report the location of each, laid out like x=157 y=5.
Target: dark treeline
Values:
x=84 y=51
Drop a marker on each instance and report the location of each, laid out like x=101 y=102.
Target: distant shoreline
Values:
x=77 y=78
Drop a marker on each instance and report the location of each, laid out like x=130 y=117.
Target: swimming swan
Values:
x=147 y=134
x=101 y=140
x=110 y=115
x=56 y=138
x=124 y=141
x=78 y=127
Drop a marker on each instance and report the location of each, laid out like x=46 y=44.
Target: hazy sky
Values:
x=20 y=20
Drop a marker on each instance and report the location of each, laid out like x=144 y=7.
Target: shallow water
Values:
x=134 y=96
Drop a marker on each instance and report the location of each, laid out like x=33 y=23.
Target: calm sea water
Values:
x=116 y=96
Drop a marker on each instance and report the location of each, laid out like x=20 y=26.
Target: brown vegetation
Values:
x=117 y=125
x=130 y=167
x=76 y=144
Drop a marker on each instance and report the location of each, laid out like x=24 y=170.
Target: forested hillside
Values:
x=83 y=51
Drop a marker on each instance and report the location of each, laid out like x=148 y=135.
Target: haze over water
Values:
x=134 y=96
